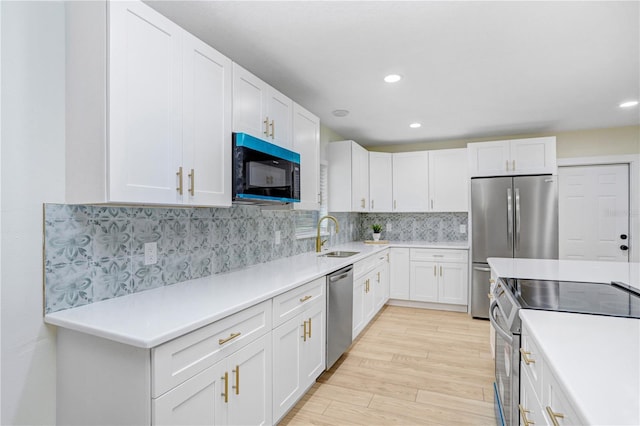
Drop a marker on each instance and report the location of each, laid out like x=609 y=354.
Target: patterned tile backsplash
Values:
x=95 y=253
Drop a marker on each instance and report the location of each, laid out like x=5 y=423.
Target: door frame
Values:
x=633 y=161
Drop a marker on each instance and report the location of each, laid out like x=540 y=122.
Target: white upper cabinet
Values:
x=206 y=124
x=306 y=142
x=348 y=177
x=260 y=110
x=513 y=157
x=159 y=132
x=380 y=182
x=411 y=182
x=448 y=180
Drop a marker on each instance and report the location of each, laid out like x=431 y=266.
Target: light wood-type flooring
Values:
x=408 y=367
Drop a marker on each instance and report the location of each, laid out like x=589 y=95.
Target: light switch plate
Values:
x=277 y=237
x=463 y=229
x=388 y=227
x=150 y=253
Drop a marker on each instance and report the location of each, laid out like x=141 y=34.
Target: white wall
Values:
x=32 y=172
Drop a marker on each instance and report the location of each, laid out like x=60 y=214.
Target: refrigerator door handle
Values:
x=517 y=191
x=509 y=219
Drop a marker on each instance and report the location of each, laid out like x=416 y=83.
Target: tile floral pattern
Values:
x=95 y=253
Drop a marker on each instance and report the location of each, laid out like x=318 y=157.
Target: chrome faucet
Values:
x=320 y=242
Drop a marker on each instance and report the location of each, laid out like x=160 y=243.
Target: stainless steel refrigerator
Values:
x=511 y=216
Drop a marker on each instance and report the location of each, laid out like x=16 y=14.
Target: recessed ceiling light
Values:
x=340 y=113
x=415 y=125
x=392 y=78
x=628 y=104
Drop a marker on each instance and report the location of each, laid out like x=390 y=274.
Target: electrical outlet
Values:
x=150 y=253
x=351 y=228
x=277 y=237
x=463 y=229
x=388 y=227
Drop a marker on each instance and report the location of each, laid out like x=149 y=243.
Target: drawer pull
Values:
x=304 y=299
x=226 y=386
x=523 y=414
x=438 y=255
x=491 y=281
x=237 y=386
x=525 y=357
x=554 y=416
x=231 y=337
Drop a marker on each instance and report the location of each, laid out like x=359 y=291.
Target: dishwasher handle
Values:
x=343 y=274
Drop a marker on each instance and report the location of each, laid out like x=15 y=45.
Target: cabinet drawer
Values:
x=381 y=258
x=365 y=265
x=176 y=361
x=291 y=303
x=554 y=400
x=530 y=352
x=437 y=255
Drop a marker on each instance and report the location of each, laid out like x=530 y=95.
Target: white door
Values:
x=489 y=158
x=380 y=182
x=399 y=275
x=286 y=365
x=280 y=113
x=306 y=142
x=359 y=286
x=593 y=207
x=423 y=281
x=452 y=285
x=249 y=103
x=448 y=180
x=411 y=182
x=145 y=97
x=250 y=388
x=533 y=155
x=313 y=348
x=360 y=178
x=206 y=125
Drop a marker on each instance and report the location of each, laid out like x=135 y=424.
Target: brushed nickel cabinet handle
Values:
x=273 y=130
x=266 y=126
x=179 y=174
x=440 y=270
x=231 y=337
x=304 y=331
x=525 y=357
x=394 y=204
x=513 y=165
x=554 y=416
x=226 y=387
x=435 y=271
x=192 y=182
x=309 y=328
x=507 y=163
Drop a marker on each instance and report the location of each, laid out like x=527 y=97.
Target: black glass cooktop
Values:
x=579 y=297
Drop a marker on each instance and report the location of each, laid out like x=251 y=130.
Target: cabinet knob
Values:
x=624 y=247
x=623 y=236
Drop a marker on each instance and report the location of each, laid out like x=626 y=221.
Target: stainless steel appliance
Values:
x=511 y=295
x=510 y=217
x=264 y=173
x=339 y=313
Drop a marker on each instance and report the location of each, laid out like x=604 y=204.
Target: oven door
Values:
x=507 y=385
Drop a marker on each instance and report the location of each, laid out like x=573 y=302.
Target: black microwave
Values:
x=264 y=173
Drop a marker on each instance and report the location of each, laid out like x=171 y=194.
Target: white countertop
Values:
x=153 y=317
x=567 y=270
x=596 y=359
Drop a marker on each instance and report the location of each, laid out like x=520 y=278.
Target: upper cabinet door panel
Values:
x=306 y=142
x=411 y=182
x=206 y=124
x=249 y=103
x=145 y=76
x=380 y=182
x=489 y=158
x=448 y=180
x=534 y=155
x=280 y=114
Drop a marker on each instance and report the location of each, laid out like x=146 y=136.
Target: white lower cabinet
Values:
x=370 y=289
x=298 y=356
x=542 y=398
x=235 y=391
x=399 y=275
x=438 y=276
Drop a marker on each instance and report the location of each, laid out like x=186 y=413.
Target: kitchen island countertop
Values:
x=150 y=318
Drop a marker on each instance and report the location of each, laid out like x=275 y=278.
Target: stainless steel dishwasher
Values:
x=339 y=313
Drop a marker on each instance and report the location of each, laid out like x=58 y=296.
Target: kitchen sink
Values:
x=339 y=254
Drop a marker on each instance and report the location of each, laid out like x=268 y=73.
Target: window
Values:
x=306 y=221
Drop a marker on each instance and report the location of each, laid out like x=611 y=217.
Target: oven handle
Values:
x=494 y=322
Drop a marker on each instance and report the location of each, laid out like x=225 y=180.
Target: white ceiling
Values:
x=471 y=69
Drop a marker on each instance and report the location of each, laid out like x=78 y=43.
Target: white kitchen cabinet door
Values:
x=206 y=125
x=532 y=411
x=260 y=110
x=145 y=89
x=250 y=384
x=279 y=116
x=380 y=182
x=399 y=273
x=314 y=347
x=411 y=182
x=306 y=142
x=250 y=96
x=424 y=281
x=196 y=401
x=489 y=158
x=369 y=298
x=448 y=180
x=533 y=155
x=287 y=386
x=379 y=283
x=360 y=178
x=359 y=287
x=452 y=283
